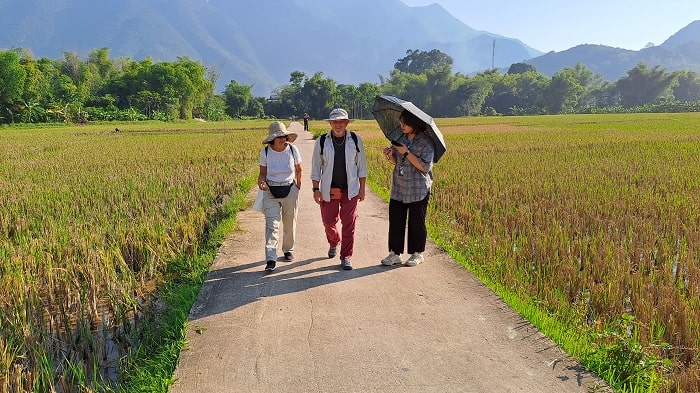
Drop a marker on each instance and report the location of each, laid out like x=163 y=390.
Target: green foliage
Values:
x=215 y=109
x=41 y=90
x=563 y=92
x=521 y=68
x=12 y=77
x=617 y=355
x=419 y=62
x=237 y=98
x=687 y=86
x=643 y=85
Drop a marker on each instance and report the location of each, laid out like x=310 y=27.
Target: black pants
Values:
x=417 y=232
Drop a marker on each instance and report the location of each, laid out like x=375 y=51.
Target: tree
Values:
x=64 y=90
x=104 y=65
x=643 y=85
x=237 y=98
x=192 y=86
x=256 y=108
x=320 y=92
x=521 y=68
x=470 y=95
x=519 y=94
x=367 y=91
x=687 y=86
x=348 y=97
x=37 y=86
x=215 y=109
x=440 y=83
x=83 y=77
x=418 y=62
x=297 y=78
x=410 y=87
x=563 y=92
x=12 y=78
x=358 y=100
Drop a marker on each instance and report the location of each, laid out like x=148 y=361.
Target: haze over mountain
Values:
x=261 y=43
x=680 y=51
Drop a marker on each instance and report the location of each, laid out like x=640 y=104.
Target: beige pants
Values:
x=276 y=210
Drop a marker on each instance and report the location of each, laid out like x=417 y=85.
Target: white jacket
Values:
x=355 y=164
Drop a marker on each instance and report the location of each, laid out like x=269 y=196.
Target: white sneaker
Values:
x=391 y=259
x=415 y=259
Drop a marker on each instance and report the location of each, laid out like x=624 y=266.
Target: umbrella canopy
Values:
x=386 y=111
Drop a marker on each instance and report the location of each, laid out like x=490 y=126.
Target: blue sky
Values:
x=558 y=25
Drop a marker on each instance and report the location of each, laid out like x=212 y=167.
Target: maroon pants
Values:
x=345 y=211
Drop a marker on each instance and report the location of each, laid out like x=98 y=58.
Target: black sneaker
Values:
x=345 y=263
x=288 y=256
x=270 y=266
x=333 y=251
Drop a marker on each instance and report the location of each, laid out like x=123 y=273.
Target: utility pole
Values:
x=493 y=55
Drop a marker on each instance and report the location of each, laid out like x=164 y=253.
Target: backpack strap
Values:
x=352 y=135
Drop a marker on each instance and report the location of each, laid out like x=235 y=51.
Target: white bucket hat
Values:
x=339 y=114
x=276 y=129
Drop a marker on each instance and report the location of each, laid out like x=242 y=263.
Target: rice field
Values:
x=90 y=220
x=592 y=220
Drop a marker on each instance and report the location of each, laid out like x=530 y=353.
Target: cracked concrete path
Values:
x=311 y=327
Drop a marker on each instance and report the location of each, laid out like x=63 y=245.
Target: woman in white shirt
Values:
x=280 y=181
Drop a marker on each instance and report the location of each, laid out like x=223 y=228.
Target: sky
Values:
x=557 y=25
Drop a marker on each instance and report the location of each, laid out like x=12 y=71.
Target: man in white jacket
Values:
x=338 y=174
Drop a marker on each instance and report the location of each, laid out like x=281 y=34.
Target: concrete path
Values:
x=311 y=327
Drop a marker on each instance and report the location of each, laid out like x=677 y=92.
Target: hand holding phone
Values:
x=395 y=143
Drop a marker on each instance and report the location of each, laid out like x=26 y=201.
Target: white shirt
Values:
x=280 y=164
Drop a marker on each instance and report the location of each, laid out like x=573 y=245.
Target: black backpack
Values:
x=352 y=135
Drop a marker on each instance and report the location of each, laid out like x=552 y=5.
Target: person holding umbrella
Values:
x=338 y=174
x=412 y=156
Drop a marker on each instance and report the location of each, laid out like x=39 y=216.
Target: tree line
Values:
x=100 y=88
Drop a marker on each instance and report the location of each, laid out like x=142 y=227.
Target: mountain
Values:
x=679 y=52
x=262 y=42
x=258 y=43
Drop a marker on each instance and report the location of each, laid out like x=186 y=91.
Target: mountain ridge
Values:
x=262 y=43
x=681 y=51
